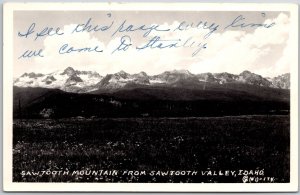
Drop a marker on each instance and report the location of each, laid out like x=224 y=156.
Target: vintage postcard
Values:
x=166 y=97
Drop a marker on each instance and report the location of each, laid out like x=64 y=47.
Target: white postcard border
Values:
x=9 y=8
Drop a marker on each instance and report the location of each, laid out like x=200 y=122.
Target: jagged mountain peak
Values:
x=122 y=72
x=180 y=71
x=254 y=79
x=175 y=71
x=32 y=75
x=282 y=81
x=246 y=72
x=69 y=68
x=69 y=71
x=142 y=74
x=286 y=75
x=89 y=73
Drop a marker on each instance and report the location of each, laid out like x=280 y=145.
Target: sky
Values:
x=265 y=51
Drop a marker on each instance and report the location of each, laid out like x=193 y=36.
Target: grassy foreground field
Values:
x=45 y=149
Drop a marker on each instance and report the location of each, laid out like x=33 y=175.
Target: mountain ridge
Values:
x=71 y=80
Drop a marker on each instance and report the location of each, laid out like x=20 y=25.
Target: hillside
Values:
x=233 y=99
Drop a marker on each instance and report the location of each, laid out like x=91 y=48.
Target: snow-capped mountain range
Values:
x=71 y=80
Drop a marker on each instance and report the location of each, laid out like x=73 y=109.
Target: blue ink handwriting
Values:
x=90 y=28
x=131 y=28
x=28 y=32
x=200 y=25
x=65 y=49
x=32 y=53
x=47 y=31
x=239 y=22
x=158 y=43
x=125 y=44
x=200 y=46
x=150 y=33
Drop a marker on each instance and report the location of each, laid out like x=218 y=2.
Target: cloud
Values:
x=235 y=51
x=227 y=51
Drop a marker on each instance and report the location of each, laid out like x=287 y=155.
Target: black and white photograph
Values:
x=148 y=95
